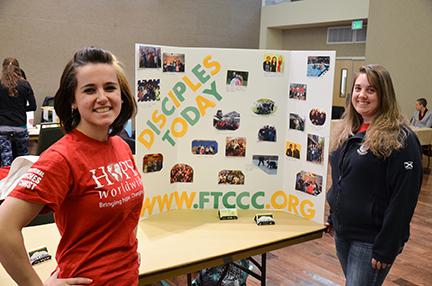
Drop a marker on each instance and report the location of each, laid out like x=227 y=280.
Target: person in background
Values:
x=267 y=64
x=422 y=117
x=273 y=64
x=376 y=180
x=279 y=64
x=16 y=98
x=289 y=151
x=88 y=179
x=296 y=152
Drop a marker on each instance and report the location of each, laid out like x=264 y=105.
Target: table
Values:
x=425 y=137
x=185 y=241
x=34 y=132
x=33 y=138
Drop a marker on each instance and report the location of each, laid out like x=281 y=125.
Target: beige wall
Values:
x=400 y=38
x=307 y=13
x=316 y=39
x=44 y=34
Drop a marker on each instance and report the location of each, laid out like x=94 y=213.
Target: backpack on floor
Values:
x=229 y=275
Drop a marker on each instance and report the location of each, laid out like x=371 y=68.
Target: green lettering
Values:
x=225 y=200
x=179 y=88
x=153 y=127
x=200 y=74
x=216 y=196
x=254 y=200
x=166 y=111
x=213 y=91
x=239 y=200
x=187 y=112
x=167 y=137
x=203 y=198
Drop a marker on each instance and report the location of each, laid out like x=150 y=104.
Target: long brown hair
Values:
x=65 y=95
x=11 y=73
x=385 y=132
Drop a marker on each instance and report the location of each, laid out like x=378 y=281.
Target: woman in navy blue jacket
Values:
x=377 y=176
x=16 y=98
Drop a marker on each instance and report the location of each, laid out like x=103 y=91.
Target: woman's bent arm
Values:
x=14 y=215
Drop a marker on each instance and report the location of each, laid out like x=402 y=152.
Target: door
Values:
x=345 y=70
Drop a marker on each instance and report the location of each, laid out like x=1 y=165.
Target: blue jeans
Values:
x=13 y=141
x=355 y=258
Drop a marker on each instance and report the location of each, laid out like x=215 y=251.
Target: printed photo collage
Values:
x=307 y=181
x=148 y=90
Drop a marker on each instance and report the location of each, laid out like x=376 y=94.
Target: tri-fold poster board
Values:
x=233 y=128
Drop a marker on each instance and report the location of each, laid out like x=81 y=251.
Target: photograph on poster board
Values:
x=228 y=121
x=148 y=90
x=231 y=177
x=237 y=80
x=297 y=91
x=296 y=122
x=204 y=147
x=235 y=147
x=149 y=57
x=264 y=106
x=152 y=163
x=292 y=149
x=173 y=62
x=181 y=173
x=309 y=183
x=315 y=148
x=317 y=66
x=273 y=63
x=267 y=133
x=317 y=117
x=266 y=163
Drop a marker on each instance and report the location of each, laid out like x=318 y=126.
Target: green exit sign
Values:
x=357 y=25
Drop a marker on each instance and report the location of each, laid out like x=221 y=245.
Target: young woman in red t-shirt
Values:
x=88 y=179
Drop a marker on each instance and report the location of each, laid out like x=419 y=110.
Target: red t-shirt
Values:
x=363 y=127
x=96 y=194
x=4 y=171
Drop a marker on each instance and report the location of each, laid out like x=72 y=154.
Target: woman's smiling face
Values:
x=97 y=98
x=365 y=98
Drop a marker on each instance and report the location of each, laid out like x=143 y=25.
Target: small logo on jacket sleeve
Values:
x=408 y=165
x=362 y=150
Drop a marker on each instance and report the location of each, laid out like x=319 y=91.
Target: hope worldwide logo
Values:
x=116 y=182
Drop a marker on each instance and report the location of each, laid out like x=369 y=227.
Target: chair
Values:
x=42 y=219
x=337 y=112
x=48 y=135
x=129 y=140
x=427 y=151
x=48 y=101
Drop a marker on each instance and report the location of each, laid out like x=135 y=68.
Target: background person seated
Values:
x=422 y=117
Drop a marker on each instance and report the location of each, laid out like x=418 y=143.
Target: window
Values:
x=345 y=35
x=275 y=2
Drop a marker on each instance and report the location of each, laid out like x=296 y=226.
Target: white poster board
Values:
x=214 y=127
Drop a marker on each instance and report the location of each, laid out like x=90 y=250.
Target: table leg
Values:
x=263 y=268
x=429 y=153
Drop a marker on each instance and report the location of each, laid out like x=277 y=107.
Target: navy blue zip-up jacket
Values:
x=373 y=199
x=13 y=108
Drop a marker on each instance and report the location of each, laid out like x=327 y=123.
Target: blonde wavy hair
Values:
x=388 y=129
x=11 y=73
